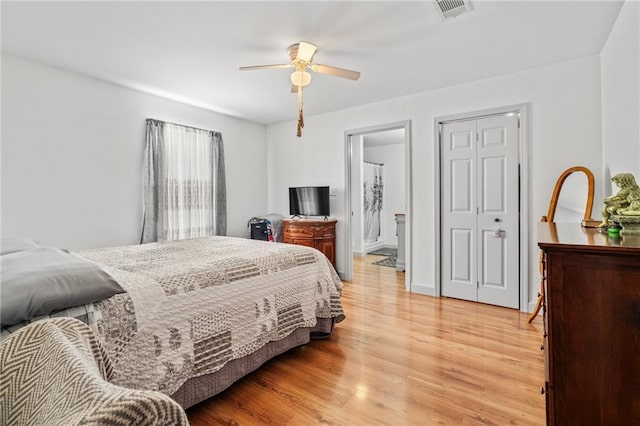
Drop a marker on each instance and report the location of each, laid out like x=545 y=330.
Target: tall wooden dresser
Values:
x=319 y=234
x=592 y=326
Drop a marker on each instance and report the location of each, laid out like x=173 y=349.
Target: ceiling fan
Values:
x=301 y=57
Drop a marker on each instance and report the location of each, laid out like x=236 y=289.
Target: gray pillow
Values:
x=39 y=281
x=12 y=245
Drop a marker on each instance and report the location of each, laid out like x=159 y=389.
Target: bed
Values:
x=186 y=318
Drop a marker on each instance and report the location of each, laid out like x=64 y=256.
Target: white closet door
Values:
x=459 y=217
x=498 y=233
x=480 y=219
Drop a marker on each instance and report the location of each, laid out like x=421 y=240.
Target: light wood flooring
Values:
x=397 y=359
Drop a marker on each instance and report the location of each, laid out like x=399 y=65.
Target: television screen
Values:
x=309 y=201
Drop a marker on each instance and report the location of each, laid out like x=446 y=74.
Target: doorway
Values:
x=377 y=189
x=482 y=252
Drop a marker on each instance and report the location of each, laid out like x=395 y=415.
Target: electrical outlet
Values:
x=332 y=192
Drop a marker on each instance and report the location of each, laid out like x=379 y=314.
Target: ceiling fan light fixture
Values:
x=300 y=78
x=301 y=57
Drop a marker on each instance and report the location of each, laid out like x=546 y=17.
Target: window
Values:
x=184 y=183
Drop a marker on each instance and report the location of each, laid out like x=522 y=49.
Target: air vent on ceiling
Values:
x=452 y=8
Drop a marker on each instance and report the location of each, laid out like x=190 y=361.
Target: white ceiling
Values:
x=191 y=51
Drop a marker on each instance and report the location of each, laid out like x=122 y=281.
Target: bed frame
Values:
x=198 y=389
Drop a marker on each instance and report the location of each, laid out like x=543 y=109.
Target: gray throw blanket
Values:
x=55 y=372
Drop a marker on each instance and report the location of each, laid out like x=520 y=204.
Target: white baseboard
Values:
x=423 y=289
x=373 y=246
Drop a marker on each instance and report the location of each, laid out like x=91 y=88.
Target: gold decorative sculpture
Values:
x=626 y=202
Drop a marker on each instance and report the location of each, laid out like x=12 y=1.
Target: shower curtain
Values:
x=372 y=182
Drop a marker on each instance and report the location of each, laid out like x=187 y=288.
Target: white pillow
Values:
x=12 y=245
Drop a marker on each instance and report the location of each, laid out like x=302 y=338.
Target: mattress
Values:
x=194 y=308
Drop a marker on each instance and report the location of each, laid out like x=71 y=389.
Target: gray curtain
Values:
x=152 y=214
x=184 y=183
x=219 y=185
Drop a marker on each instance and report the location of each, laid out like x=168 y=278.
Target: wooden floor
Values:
x=397 y=359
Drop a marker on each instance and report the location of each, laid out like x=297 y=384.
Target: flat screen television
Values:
x=309 y=201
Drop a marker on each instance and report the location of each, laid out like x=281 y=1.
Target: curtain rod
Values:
x=371 y=162
x=178 y=124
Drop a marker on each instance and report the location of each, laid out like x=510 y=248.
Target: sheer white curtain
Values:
x=372 y=182
x=185 y=194
x=188 y=166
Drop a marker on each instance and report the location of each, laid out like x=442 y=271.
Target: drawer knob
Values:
x=542 y=347
x=543 y=391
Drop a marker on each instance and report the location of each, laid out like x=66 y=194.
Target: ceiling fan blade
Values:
x=306 y=51
x=338 y=72
x=263 y=67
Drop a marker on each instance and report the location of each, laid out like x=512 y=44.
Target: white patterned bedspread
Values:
x=192 y=305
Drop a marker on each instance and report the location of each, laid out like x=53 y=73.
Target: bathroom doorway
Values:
x=378 y=182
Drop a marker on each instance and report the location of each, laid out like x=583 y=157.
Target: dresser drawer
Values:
x=319 y=234
x=293 y=231
x=324 y=231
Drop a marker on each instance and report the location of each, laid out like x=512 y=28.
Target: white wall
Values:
x=72 y=150
x=620 y=58
x=565 y=130
x=357 y=201
x=393 y=192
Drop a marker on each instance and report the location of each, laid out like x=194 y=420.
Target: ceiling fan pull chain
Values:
x=300 y=118
x=300 y=125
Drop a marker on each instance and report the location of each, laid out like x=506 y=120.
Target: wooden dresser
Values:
x=592 y=326
x=319 y=234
